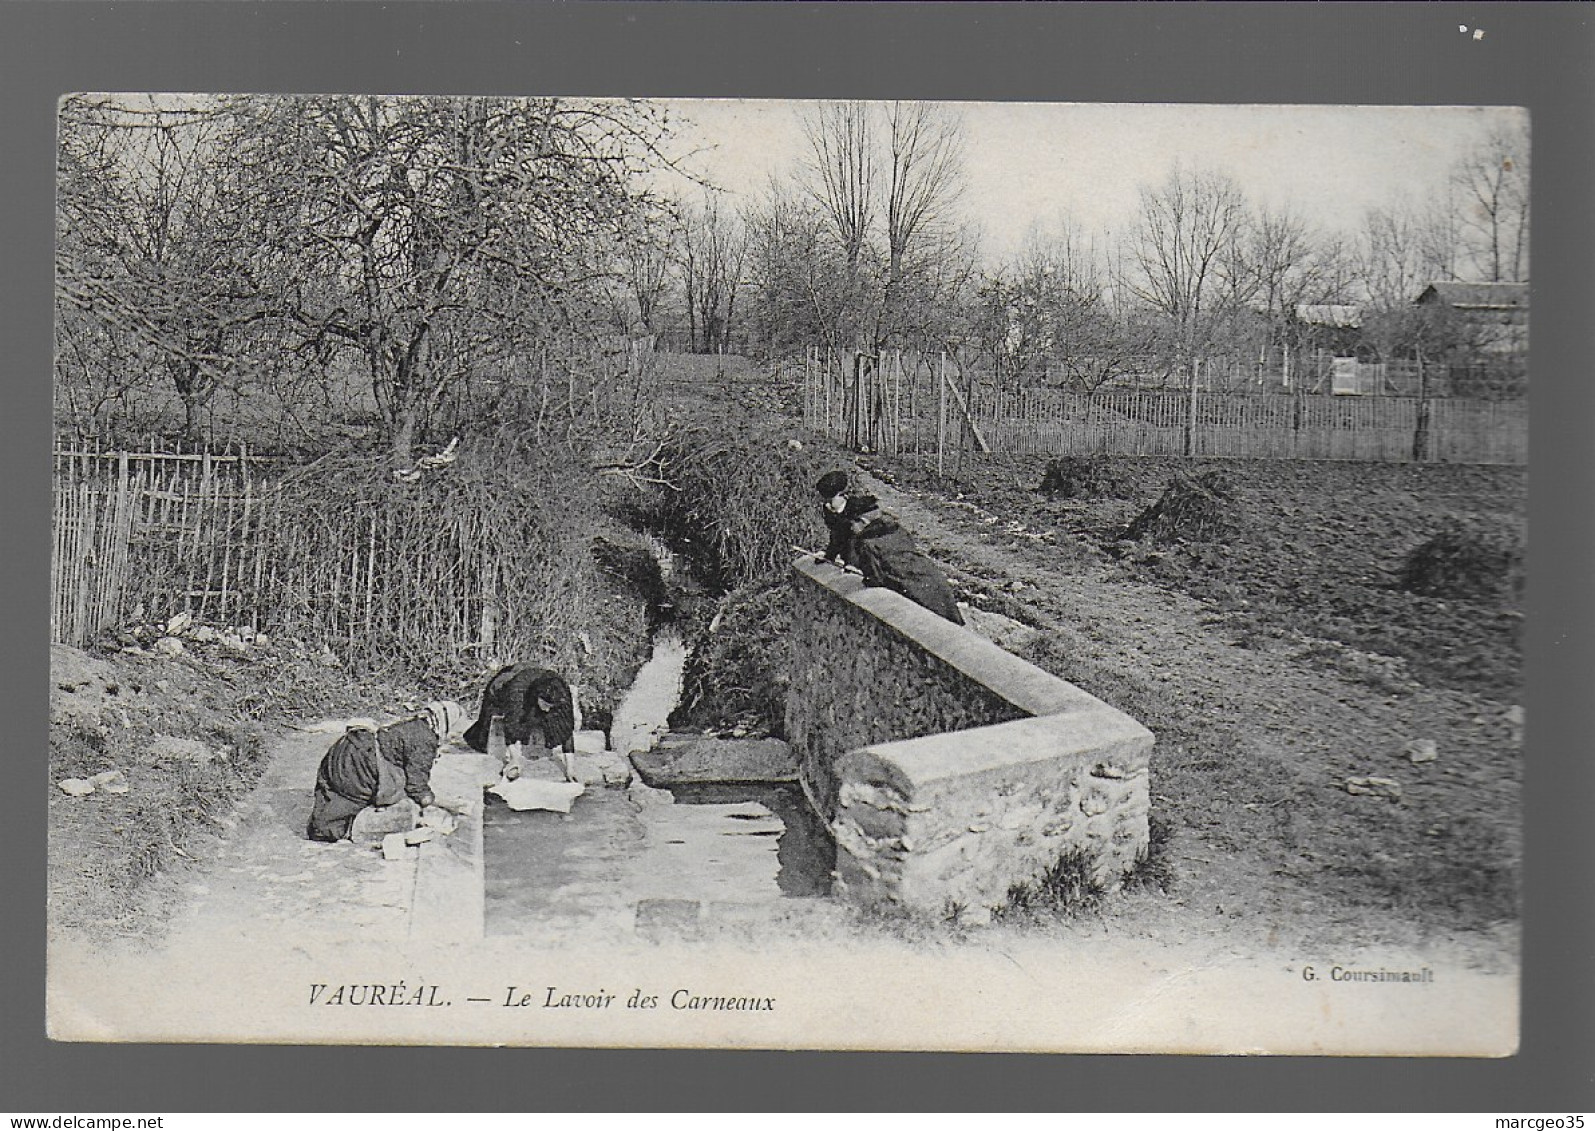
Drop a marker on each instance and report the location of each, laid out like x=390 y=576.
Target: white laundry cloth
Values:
x=534 y=793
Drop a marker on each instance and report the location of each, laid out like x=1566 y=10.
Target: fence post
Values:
x=941 y=412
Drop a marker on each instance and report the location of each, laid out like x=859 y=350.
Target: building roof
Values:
x=1337 y=315
x=1478 y=296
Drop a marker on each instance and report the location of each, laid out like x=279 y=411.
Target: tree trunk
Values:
x=1420 y=435
x=404 y=437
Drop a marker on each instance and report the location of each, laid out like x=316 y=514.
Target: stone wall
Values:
x=949 y=769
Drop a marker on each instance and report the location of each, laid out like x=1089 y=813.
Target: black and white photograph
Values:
x=788 y=573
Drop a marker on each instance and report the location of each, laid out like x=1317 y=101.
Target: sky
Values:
x=1033 y=164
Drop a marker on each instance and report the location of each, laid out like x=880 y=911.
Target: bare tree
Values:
x=800 y=296
x=887 y=180
x=647 y=257
x=713 y=248
x=842 y=171
x=924 y=185
x=1400 y=251
x=1188 y=225
x=416 y=226
x=1288 y=264
x=156 y=247
x=1492 y=187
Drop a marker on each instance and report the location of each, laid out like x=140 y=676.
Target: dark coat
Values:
x=514 y=692
x=868 y=538
x=372 y=767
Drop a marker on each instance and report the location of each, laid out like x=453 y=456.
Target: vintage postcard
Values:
x=788 y=574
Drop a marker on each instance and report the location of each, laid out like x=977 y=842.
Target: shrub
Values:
x=1085 y=477
x=1467 y=559
x=1068 y=887
x=738 y=500
x=737 y=668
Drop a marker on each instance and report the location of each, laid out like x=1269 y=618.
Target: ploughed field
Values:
x=1319 y=552
x=1281 y=664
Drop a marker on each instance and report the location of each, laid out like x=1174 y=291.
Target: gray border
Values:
x=1533 y=55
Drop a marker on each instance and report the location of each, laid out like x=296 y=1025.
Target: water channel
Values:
x=631 y=857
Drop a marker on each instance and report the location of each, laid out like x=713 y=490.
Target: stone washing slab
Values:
x=448 y=902
x=688 y=760
x=941 y=820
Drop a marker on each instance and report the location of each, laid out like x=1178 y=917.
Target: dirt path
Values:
x=1288 y=735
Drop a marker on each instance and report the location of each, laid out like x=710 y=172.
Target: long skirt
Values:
x=886 y=555
x=353 y=775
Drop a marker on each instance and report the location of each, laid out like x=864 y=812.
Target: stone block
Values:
x=375 y=822
x=685 y=760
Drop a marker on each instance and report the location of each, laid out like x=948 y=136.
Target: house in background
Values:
x=1488 y=324
x=1493 y=318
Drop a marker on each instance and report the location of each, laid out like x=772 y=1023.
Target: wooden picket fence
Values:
x=333 y=552
x=143 y=536
x=889 y=405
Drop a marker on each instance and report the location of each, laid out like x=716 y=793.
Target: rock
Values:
x=1375 y=787
x=394 y=846
x=591 y=742
x=165 y=746
x=373 y=823
x=107 y=778
x=75 y=787
x=645 y=795
x=1421 y=750
x=169 y=646
x=201 y=634
x=416 y=836
x=435 y=818
x=234 y=644
x=1004 y=632
x=262 y=640
x=179 y=622
x=685 y=760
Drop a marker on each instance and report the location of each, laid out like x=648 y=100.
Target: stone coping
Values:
x=1104 y=734
x=1016 y=681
